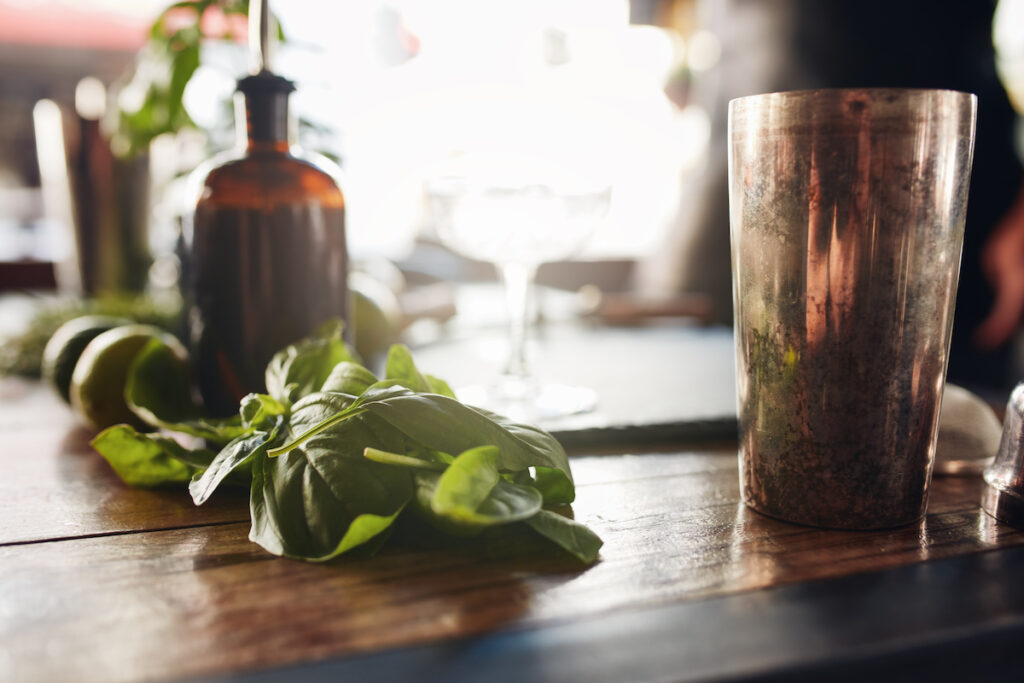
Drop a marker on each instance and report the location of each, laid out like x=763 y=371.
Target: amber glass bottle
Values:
x=265 y=257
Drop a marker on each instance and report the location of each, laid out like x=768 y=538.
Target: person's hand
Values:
x=1002 y=261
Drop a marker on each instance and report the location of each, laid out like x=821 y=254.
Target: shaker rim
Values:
x=807 y=93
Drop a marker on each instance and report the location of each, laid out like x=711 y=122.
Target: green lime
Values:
x=66 y=345
x=97 y=385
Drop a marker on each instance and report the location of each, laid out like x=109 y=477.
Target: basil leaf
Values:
x=318 y=412
x=157 y=390
x=344 y=439
x=554 y=486
x=218 y=431
x=349 y=378
x=303 y=367
x=506 y=503
x=140 y=460
x=161 y=395
x=315 y=409
x=235 y=455
x=443 y=424
x=198 y=458
x=259 y=410
x=569 y=534
x=363 y=528
x=467 y=482
x=323 y=498
x=401 y=368
x=439 y=386
x=313 y=505
x=554 y=481
x=439 y=423
x=352 y=452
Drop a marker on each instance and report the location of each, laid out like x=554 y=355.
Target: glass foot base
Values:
x=524 y=400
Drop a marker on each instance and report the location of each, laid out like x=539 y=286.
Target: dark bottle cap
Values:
x=266 y=106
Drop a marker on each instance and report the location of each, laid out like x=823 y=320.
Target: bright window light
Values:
x=408 y=84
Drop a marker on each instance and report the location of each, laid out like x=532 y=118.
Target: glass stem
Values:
x=518 y=279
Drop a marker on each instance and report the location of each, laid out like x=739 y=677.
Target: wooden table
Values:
x=100 y=582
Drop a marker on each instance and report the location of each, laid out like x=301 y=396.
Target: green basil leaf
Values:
x=219 y=431
x=439 y=423
x=315 y=409
x=323 y=498
x=520 y=477
x=554 y=486
x=232 y=457
x=314 y=504
x=349 y=378
x=443 y=424
x=259 y=410
x=363 y=529
x=303 y=367
x=569 y=534
x=401 y=368
x=140 y=460
x=158 y=390
x=355 y=452
x=318 y=412
x=467 y=482
x=345 y=439
x=506 y=503
x=439 y=386
x=198 y=458
x=272 y=504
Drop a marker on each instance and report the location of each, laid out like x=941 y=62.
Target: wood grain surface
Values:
x=99 y=582
x=55 y=486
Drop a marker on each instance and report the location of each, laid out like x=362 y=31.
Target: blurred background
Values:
x=383 y=87
x=389 y=88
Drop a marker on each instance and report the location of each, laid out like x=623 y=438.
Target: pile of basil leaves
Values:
x=333 y=456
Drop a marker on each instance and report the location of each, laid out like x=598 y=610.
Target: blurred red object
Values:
x=67 y=24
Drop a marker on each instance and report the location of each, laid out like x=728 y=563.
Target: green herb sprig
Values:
x=333 y=456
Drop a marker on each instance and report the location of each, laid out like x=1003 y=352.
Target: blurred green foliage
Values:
x=164 y=67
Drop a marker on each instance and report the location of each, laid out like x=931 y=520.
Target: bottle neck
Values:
x=263 y=117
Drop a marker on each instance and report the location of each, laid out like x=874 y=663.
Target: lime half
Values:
x=97 y=385
x=66 y=345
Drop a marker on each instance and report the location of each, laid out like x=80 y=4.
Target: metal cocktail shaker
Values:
x=847 y=214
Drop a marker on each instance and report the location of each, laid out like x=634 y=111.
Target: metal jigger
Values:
x=1004 y=479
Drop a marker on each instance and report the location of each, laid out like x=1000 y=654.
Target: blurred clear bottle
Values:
x=1003 y=496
